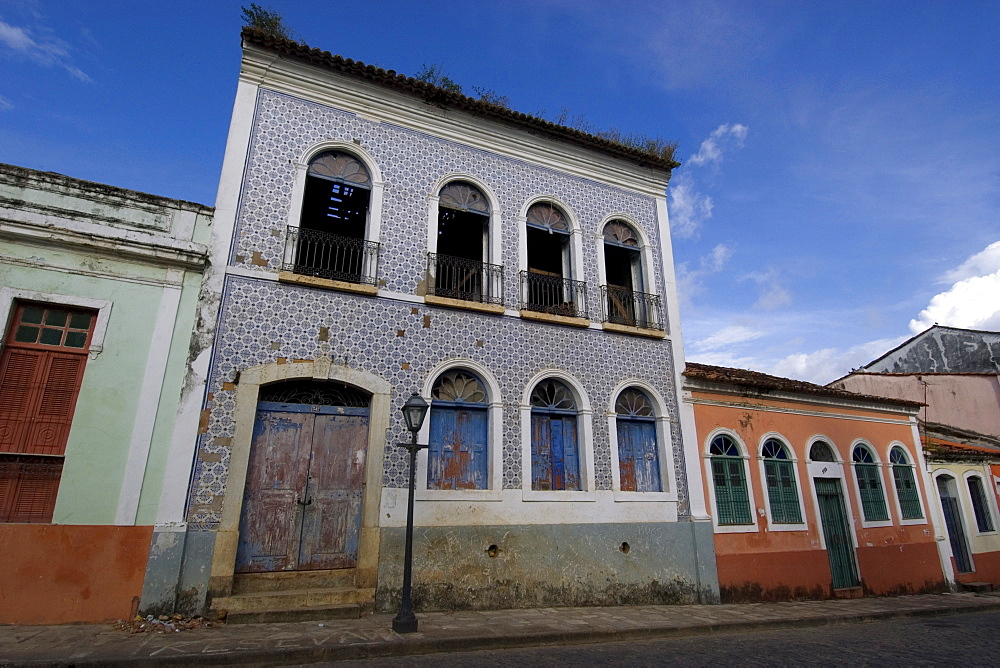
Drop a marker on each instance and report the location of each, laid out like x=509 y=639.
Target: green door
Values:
x=837 y=533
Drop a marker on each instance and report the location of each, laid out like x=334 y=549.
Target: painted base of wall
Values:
x=57 y=574
x=177 y=575
x=893 y=570
x=496 y=567
x=773 y=576
x=987 y=565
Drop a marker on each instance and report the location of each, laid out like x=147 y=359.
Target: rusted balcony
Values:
x=464 y=279
x=634 y=309
x=331 y=256
x=553 y=294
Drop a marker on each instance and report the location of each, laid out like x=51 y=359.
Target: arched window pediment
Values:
x=821 y=452
x=338 y=166
x=619 y=233
x=459 y=386
x=547 y=216
x=774 y=449
x=634 y=403
x=464 y=197
x=553 y=395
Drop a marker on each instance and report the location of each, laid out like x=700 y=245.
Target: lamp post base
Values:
x=404 y=624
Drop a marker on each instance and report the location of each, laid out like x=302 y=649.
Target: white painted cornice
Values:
x=375 y=103
x=134 y=245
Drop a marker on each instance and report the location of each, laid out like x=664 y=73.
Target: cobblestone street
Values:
x=966 y=639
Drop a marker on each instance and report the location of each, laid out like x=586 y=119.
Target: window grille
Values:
x=870 y=486
x=732 y=499
x=906 y=487
x=782 y=492
x=984 y=520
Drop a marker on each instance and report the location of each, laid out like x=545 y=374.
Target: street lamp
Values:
x=414 y=411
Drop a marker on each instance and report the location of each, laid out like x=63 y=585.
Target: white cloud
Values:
x=772 y=293
x=972 y=301
x=5 y=104
x=46 y=51
x=826 y=365
x=727 y=336
x=689 y=281
x=688 y=209
x=711 y=149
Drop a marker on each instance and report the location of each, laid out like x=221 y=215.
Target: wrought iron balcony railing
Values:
x=460 y=278
x=553 y=294
x=331 y=256
x=626 y=307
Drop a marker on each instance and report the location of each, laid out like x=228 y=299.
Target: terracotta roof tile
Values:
x=768 y=383
x=444 y=98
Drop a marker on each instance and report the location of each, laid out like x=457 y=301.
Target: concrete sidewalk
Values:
x=309 y=642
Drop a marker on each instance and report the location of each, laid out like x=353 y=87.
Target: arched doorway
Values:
x=302 y=501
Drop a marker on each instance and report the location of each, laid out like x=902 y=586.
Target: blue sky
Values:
x=840 y=187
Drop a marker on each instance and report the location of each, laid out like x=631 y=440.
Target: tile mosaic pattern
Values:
x=412 y=163
x=261 y=321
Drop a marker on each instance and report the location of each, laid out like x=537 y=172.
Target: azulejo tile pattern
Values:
x=411 y=162
x=262 y=320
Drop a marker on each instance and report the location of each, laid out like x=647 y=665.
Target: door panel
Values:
x=332 y=518
x=836 y=531
x=270 y=523
x=457 y=455
x=639 y=459
x=956 y=534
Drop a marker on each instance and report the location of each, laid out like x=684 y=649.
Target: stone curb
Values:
x=418 y=646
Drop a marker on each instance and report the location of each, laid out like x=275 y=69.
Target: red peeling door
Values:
x=305 y=480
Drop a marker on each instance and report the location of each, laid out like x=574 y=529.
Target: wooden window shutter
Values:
x=19 y=372
x=28 y=487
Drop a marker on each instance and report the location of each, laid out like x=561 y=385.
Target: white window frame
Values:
x=663 y=443
x=585 y=442
x=991 y=508
x=753 y=527
x=575 y=242
x=772 y=525
x=916 y=482
x=880 y=467
x=103 y=307
x=834 y=469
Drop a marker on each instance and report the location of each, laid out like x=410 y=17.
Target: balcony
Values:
x=631 y=309
x=458 y=278
x=557 y=296
x=331 y=257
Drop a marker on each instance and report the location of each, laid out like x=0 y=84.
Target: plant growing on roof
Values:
x=266 y=20
x=434 y=75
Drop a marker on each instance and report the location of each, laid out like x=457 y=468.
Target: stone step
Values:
x=291 y=599
x=849 y=592
x=303 y=614
x=978 y=587
x=244 y=583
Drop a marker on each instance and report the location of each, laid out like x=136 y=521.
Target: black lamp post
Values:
x=414 y=411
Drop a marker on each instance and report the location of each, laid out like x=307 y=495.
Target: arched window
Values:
x=459 y=268
x=458 y=451
x=821 y=452
x=906 y=487
x=869 y=484
x=782 y=493
x=330 y=241
x=555 y=453
x=638 y=451
x=732 y=500
x=980 y=504
x=548 y=285
x=625 y=300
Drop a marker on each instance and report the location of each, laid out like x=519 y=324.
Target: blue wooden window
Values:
x=458 y=449
x=638 y=451
x=984 y=520
x=732 y=499
x=782 y=493
x=870 y=485
x=555 y=453
x=906 y=486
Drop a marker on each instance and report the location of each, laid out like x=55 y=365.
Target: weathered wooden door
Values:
x=305 y=480
x=638 y=454
x=956 y=528
x=837 y=532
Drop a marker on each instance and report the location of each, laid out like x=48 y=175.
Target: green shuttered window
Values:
x=906 y=486
x=782 y=494
x=870 y=485
x=732 y=500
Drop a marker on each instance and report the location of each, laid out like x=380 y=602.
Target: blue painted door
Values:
x=457 y=456
x=303 y=493
x=555 y=459
x=638 y=456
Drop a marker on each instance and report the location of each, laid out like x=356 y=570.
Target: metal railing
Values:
x=331 y=256
x=461 y=278
x=552 y=294
x=627 y=307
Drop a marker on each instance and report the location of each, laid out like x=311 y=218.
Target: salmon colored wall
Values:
x=55 y=573
x=891 y=559
x=987 y=565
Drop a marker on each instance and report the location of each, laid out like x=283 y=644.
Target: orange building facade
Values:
x=814 y=492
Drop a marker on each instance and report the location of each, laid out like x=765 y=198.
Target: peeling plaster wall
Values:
x=495 y=567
